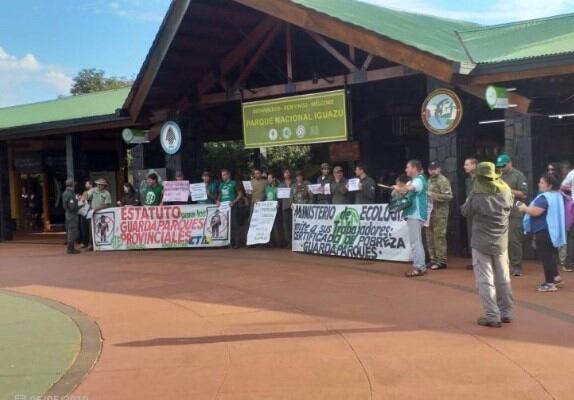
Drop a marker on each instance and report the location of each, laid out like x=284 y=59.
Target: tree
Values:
x=90 y=80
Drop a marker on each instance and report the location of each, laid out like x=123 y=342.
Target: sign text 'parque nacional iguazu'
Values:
x=311 y=118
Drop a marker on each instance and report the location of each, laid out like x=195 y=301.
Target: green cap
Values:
x=502 y=160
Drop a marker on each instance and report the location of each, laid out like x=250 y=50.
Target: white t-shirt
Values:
x=569 y=180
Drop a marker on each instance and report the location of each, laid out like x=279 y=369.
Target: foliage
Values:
x=90 y=80
x=233 y=155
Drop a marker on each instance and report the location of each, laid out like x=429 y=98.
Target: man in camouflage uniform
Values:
x=70 y=202
x=519 y=188
x=440 y=193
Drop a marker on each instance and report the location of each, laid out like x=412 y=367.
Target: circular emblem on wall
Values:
x=287 y=133
x=300 y=131
x=273 y=134
x=170 y=137
x=441 y=111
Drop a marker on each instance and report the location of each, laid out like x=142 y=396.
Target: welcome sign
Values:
x=358 y=231
x=312 y=118
x=163 y=227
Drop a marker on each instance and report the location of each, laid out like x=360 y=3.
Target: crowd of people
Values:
x=496 y=211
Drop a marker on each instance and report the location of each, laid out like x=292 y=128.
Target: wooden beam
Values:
x=352 y=54
x=361 y=38
x=333 y=51
x=154 y=59
x=306 y=86
x=257 y=56
x=516 y=75
x=522 y=103
x=289 y=52
x=367 y=62
x=248 y=43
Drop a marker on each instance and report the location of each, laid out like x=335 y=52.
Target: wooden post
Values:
x=5 y=220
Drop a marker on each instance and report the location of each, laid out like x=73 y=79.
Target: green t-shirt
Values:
x=212 y=190
x=270 y=193
x=152 y=195
x=227 y=191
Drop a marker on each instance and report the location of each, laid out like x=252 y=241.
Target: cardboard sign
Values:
x=261 y=224
x=198 y=191
x=175 y=191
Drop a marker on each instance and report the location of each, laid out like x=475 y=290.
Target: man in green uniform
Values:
x=519 y=188
x=229 y=193
x=367 y=186
x=70 y=202
x=153 y=191
x=440 y=193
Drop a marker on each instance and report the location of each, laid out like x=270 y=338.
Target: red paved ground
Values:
x=271 y=324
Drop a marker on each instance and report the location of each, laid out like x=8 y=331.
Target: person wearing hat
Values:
x=490 y=203
x=339 y=189
x=99 y=198
x=325 y=179
x=71 y=207
x=440 y=194
x=519 y=188
x=211 y=187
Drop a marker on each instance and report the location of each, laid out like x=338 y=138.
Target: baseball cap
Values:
x=434 y=165
x=502 y=160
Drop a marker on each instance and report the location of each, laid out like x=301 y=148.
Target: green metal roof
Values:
x=521 y=40
x=68 y=108
x=431 y=34
x=450 y=38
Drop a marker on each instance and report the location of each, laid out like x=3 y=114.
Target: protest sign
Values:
x=353 y=184
x=162 y=227
x=283 y=193
x=261 y=224
x=175 y=191
x=358 y=231
x=320 y=189
x=198 y=191
x=247 y=186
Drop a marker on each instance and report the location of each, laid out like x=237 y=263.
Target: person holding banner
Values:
x=152 y=194
x=286 y=212
x=299 y=190
x=324 y=180
x=339 y=189
x=230 y=194
x=416 y=214
x=367 y=187
x=271 y=195
x=211 y=187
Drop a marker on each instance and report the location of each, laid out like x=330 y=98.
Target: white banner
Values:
x=261 y=224
x=357 y=231
x=162 y=227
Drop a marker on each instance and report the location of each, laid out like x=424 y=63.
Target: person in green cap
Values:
x=489 y=203
x=519 y=188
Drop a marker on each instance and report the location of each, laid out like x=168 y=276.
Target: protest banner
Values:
x=198 y=191
x=367 y=231
x=175 y=191
x=162 y=227
x=261 y=224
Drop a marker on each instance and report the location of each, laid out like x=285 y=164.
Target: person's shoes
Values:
x=506 y=320
x=470 y=267
x=558 y=281
x=83 y=246
x=516 y=271
x=547 y=287
x=491 y=324
x=414 y=273
x=436 y=266
x=74 y=251
x=569 y=268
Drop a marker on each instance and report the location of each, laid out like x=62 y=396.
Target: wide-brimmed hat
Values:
x=101 y=181
x=487 y=170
